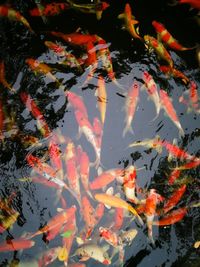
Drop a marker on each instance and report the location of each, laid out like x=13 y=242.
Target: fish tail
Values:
x=157 y=115
x=134 y=212
x=126 y=130
x=114 y=80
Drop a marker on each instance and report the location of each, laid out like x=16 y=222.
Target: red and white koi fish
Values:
x=159 y=49
x=109 y=236
x=174 y=199
x=172 y=217
x=69 y=59
x=3 y=80
x=51 y=9
x=169 y=109
x=48 y=257
x=151 y=88
x=86 y=128
x=152 y=200
x=12 y=14
x=177 y=74
x=129 y=22
x=55 y=224
x=167 y=38
x=98 y=130
x=32 y=107
x=16 y=244
x=101 y=98
x=75 y=38
x=77 y=102
x=93 y=251
x=130 y=107
x=117 y=202
x=105 y=178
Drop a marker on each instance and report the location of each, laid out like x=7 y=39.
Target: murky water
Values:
x=37 y=203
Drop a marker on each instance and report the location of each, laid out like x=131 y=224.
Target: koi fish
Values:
x=95 y=8
x=174 y=199
x=16 y=244
x=117 y=202
x=77 y=102
x=86 y=128
x=2 y=77
x=151 y=88
x=98 y=130
x=93 y=251
x=159 y=49
x=84 y=171
x=75 y=38
x=190 y=165
x=32 y=107
x=167 y=38
x=8 y=221
x=171 y=218
x=42 y=68
x=126 y=238
x=88 y=215
x=77 y=265
x=174 y=73
x=109 y=236
x=55 y=224
x=118 y=218
x=193 y=3
x=150 y=209
x=51 y=9
x=101 y=98
x=48 y=257
x=56 y=157
x=193 y=94
x=69 y=59
x=105 y=178
x=169 y=109
x=12 y=14
x=173 y=176
x=130 y=107
x=129 y=22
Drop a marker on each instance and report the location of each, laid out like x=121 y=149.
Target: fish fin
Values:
x=126 y=130
x=99 y=170
x=133 y=21
x=108 y=207
x=170 y=156
x=157 y=115
x=121 y=16
x=123 y=28
x=78 y=136
x=110 y=191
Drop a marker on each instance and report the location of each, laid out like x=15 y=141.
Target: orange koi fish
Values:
x=94 y=8
x=150 y=209
x=171 y=218
x=129 y=22
x=71 y=168
x=101 y=98
x=169 y=109
x=77 y=103
x=98 y=130
x=48 y=257
x=42 y=68
x=93 y=251
x=159 y=49
x=69 y=59
x=174 y=199
x=174 y=73
x=16 y=244
x=2 y=77
x=193 y=94
x=32 y=107
x=190 y=165
x=117 y=202
x=55 y=224
x=118 y=218
x=192 y=3
x=51 y=9
x=173 y=176
x=14 y=15
x=109 y=236
x=86 y=128
x=167 y=38
x=105 y=178
x=151 y=88
x=56 y=157
x=130 y=107
x=75 y=38
x=84 y=171
x=77 y=265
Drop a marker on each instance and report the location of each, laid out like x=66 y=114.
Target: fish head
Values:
x=104 y=5
x=127 y=9
x=158 y=26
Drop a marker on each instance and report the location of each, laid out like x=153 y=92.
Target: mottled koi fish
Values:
x=51 y=9
x=14 y=15
x=159 y=49
x=167 y=38
x=130 y=107
x=109 y=236
x=169 y=109
x=129 y=22
x=177 y=74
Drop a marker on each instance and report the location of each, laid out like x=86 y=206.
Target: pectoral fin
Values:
x=121 y=16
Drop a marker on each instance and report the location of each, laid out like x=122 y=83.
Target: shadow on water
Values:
x=23 y=132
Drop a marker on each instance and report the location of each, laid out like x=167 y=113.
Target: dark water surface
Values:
x=36 y=203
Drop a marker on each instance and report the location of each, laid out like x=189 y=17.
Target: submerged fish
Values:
x=177 y=74
x=51 y=9
x=16 y=244
x=171 y=218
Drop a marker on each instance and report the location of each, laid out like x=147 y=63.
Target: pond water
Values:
x=41 y=148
